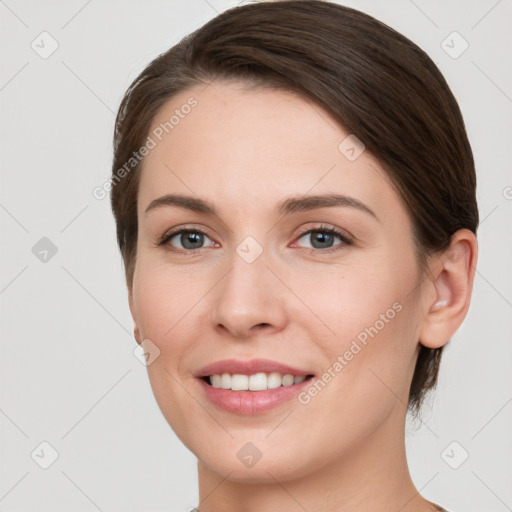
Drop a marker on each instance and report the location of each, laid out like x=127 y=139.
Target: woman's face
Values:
x=264 y=277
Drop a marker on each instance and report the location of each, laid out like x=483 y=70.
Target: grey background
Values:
x=68 y=373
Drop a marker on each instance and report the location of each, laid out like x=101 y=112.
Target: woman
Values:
x=294 y=195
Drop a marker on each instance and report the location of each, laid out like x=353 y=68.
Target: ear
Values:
x=136 y=331
x=451 y=284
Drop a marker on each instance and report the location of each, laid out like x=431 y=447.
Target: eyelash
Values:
x=322 y=229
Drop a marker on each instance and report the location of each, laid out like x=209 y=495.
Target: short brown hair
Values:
x=378 y=84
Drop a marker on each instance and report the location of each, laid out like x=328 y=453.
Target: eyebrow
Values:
x=290 y=205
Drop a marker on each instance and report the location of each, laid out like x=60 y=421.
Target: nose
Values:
x=249 y=300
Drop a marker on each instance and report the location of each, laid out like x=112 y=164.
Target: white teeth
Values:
x=256 y=382
x=287 y=380
x=274 y=380
x=239 y=382
x=225 y=381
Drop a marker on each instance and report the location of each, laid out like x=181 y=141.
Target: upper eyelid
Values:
x=345 y=237
x=342 y=233
x=323 y=227
x=168 y=235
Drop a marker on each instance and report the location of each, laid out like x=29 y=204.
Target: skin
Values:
x=245 y=150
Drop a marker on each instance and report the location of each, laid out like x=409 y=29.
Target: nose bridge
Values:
x=248 y=295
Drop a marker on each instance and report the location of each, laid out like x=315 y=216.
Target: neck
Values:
x=372 y=477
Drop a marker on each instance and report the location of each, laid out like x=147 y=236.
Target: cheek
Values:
x=348 y=299
x=164 y=299
x=368 y=364
x=373 y=321
x=166 y=311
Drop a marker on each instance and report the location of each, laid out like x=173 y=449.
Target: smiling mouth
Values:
x=255 y=382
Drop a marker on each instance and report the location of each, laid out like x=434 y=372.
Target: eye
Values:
x=189 y=239
x=323 y=239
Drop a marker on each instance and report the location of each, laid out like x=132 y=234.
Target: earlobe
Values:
x=136 y=331
x=452 y=284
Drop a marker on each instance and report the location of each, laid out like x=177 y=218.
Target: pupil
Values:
x=192 y=240
x=322 y=238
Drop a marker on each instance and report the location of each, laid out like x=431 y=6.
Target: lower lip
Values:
x=251 y=402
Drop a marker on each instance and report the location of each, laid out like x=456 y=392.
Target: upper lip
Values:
x=250 y=367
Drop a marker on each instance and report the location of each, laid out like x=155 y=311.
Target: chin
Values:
x=262 y=472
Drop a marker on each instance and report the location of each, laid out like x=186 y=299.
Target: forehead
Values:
x=248 y=145
x=246 y=118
